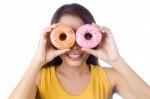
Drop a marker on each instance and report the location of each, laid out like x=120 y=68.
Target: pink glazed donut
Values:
x=88 y=36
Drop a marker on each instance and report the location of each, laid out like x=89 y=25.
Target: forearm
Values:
x=27 y=86
x=140 y=88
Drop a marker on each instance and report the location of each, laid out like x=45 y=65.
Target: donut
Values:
x=62 y=37
x=88 y=36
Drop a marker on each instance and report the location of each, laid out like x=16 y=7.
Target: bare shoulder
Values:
x=119 y=84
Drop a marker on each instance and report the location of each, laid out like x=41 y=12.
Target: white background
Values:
x=22 y=21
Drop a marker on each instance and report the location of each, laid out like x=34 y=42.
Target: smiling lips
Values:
x=75 y=56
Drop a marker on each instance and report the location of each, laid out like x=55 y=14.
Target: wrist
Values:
x=37 y=61
x=36 y=64
x=115 y=61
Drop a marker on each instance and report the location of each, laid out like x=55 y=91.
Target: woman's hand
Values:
x=107 y=50
x=45 y=52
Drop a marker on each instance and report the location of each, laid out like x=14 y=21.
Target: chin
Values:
x=74 y=64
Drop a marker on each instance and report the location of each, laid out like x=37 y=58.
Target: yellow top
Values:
x=98 y=86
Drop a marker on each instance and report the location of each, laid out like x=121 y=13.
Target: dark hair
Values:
x=81 y=12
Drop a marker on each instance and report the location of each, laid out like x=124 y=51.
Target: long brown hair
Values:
x=76 y=10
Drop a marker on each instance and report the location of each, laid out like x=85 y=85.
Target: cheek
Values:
x=62 y=56
x=86 y=55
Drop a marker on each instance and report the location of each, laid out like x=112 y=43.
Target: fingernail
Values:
x=67 y=49
x=83 y=48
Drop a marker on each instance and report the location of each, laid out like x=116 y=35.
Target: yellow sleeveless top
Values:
x=98 y=86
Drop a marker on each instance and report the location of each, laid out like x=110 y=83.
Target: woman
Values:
x=75 y=73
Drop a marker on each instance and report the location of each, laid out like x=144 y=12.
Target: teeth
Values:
x=75 y=55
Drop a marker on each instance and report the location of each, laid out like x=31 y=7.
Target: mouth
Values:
x=74 y=56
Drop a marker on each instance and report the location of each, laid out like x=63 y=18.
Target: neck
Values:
x=73 y=71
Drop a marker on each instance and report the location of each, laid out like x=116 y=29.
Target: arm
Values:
x=27 y=87
x=138 y=86
x=119 y=84
x=109 y=53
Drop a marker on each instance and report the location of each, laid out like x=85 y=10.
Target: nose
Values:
x=75 y=47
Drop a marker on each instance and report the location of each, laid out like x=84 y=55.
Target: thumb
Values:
x=97 y=53
x=90 y=51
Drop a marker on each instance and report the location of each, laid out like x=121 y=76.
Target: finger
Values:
x=52 y=26
x=106 y=32
x=102 y=29
x=97 y=53
x=94 y=24
x=45 y=35
x=90 y=51
x=105 y=29
x=59 y=52
x=47 y=30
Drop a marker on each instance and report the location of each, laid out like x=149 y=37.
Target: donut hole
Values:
x=62 y=36
x=88 y=36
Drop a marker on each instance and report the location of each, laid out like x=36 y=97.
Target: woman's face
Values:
x=75 y=57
